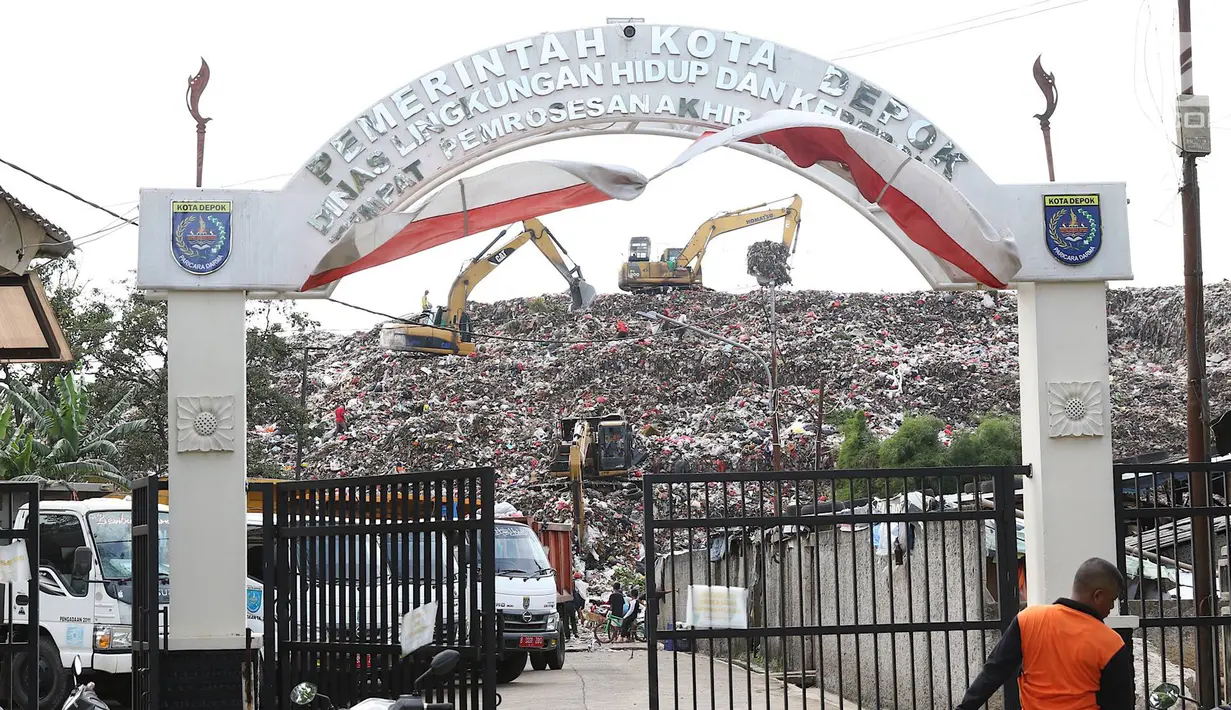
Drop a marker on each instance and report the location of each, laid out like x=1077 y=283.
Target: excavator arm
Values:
x=731 y=221
x=533 y=231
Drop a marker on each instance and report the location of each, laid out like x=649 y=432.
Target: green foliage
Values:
x=121 y=343
x=42 y=439
x=997 y=441
x=628 y=579
x=916 y=444
x=860 y=447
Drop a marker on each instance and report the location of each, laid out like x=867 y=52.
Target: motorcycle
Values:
x=83 y=697
x=443 y=664
x=1166 y=695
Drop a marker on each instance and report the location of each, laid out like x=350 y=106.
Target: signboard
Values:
x=200 y=235
x=1074 y=227
x=717 y=607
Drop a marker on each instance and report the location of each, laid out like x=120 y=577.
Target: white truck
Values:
x=86 y=593
x=529 y=627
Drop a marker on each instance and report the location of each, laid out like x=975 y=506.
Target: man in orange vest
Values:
x=1063 y=655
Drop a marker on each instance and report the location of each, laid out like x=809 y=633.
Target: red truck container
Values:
x=558 y=539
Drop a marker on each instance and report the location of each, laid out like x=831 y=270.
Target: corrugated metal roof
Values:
x=60 y=243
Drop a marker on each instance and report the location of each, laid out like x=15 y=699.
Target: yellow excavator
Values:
x=447 y=332
x=593 y=448
x=681 y=268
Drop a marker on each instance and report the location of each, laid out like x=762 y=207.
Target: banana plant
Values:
x=42 y=440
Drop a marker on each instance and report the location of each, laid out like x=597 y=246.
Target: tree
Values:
x=54 y=441
x=916 y=444
x=997 y=441
x=121 y=350
x=860 y=447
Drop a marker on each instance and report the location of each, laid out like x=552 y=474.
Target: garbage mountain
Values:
x=699 y=403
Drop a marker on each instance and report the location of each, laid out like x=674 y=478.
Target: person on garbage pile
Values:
x=339 y=420
x=426 y=304
x=630 y=616
x=615 y=602
x=1062 y=654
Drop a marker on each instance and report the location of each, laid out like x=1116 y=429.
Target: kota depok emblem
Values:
x=201 y=235
x=1074 y=227
x=254 y=600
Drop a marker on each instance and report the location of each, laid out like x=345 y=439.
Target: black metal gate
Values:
x=19 y=619
x=878 y=588
x=346 y=559
x=1185 y=636
x=148 y=588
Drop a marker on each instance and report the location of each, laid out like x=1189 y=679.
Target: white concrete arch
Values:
x=664 y=80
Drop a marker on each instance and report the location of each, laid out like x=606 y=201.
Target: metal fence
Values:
x=1174 y=547
x=877 y=588
x=346 y=559
x=19 y=602
x=149 y=591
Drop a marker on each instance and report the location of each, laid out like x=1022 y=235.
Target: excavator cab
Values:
x=639 y=249
x=615 y=452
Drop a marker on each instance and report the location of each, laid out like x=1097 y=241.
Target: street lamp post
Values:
x=769 y=380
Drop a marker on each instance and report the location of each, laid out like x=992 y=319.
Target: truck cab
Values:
x=529 y=623
x=85 y=581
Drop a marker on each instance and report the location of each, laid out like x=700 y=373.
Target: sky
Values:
x=92 y=99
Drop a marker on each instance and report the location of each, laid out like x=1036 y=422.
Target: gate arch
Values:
x=672 y=81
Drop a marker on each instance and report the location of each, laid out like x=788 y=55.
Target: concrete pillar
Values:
x=1066 y=432
x=206 y=392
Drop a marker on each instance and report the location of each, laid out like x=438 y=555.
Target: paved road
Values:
x=608 y=679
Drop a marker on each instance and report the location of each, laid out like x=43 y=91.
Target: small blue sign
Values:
x=1074 y=227
x=74 y=636
x=201 y=235
x=254 y=600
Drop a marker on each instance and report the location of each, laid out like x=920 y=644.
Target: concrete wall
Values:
x=834 y=578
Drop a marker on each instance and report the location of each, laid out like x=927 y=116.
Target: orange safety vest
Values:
x=1064 y=652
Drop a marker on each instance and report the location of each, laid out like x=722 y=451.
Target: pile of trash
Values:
x=769 y=261
x=696 y=403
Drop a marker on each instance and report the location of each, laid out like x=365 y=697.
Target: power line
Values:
x=71 y=194
x=946 y=26
x=959 y=31
x=487 y=335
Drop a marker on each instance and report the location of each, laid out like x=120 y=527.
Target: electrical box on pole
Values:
x=1192 y=123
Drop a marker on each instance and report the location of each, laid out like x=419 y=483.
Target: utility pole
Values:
x=303 y=408
x=196 y=87
x=820 y=421
x=1194 y=141
x=773 y=376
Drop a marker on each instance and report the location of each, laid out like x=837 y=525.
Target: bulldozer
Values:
x=593 y=448
x=681 y=268
x=447 y=332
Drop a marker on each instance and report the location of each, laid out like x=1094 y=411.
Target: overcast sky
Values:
x=92 y=98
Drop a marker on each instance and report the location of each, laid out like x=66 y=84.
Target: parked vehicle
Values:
x=443 y=664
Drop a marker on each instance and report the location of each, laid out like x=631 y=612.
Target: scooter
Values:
x=443 y=664
x=83 y=697
x=1166 y=695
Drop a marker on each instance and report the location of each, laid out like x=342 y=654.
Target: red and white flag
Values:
x=926 y=206
x=499 y=197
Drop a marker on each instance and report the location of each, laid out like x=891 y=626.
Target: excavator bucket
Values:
x=583 y=295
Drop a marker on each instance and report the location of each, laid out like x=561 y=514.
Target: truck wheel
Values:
x=53 y=677
x=555 y=659
x=509 y=669
x=538 y=661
